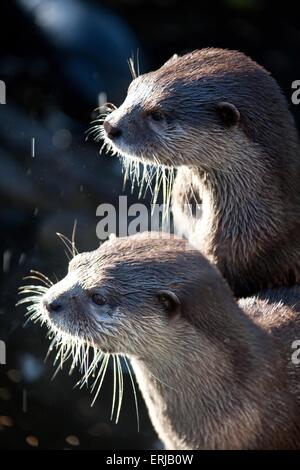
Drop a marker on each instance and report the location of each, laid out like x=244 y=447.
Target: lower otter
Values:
x=222 y=121
x=215 y=374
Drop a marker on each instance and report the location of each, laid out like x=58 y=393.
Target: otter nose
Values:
x=53 y=305
x=111 y=130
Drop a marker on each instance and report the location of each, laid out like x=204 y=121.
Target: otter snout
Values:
x=51 y=306
x=57 y=299
x=112 y=130
x=56 y=303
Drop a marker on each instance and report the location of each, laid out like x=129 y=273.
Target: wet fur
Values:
x=251 y=204
x=246 y=173
x=215 y=374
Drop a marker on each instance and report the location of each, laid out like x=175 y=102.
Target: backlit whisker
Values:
x=82 y=353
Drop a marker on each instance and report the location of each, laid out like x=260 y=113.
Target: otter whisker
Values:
x=50 y=349
x=76 y=354
x=36 y=275
x=114 y=387
x=64 y=353
x=27 y=321
x=132 y=68
x=35 y=287
x=147 y=178
x=36 y=278
x=30 y=299
x=163 y=177
x=100 y=376
x=85 y=360
x=107 y=105
x=125 y=171
x=157 y=185
x=92 y=367
x=33 y=314
x=138 y=62
x=68 y=244
x=26 y=291
x=57 y=369
x=120 y=375
x=134 y=392
x=82 y=352
x=96 y=129
x=74 y=249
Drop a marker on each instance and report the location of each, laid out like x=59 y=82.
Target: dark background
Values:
x=56 y=56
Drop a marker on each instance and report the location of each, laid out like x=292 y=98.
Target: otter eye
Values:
x=156 y=116
x=98 y=299
x=169 y=301
x=166 y=302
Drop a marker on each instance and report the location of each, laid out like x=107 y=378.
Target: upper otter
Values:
x=214 y=374
x=223 y=122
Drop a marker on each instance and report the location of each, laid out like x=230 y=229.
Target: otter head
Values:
x=202 y=109
x=132 y=295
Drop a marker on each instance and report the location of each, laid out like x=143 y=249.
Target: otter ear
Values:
x=169 y=301
x=229 y=114
x=171 y=60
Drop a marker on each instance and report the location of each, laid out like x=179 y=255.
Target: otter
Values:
x=222 y=121
x=215 y=373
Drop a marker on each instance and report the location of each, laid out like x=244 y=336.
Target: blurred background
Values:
x=58 y=59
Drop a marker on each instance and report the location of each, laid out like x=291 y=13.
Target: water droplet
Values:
x=32 y=441
x=72 y=440
x=6 y=421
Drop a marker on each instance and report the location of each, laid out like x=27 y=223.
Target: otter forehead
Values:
x=133 y=260
x=209 y=63
x=204 y=76
x=144 y=246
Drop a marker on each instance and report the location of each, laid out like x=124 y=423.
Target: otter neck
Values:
x=204 y=394
x=243 y=208
x=238 y=199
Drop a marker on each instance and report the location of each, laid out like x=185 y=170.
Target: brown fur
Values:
x=215 y=374
x=242 y=161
